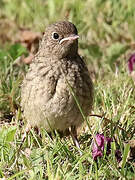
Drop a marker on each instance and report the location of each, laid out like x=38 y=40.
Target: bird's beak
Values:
x=70 y=38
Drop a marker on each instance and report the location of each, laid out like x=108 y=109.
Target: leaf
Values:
x=115 y=51
x=113 y=149
x=51 y=7
x=3 y=54
x=26 y=161
x=95 y=51
x=10 y=134
x=17 y=50
x=2 y=131
x=125 y=155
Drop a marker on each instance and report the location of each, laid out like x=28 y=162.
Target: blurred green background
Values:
x=106 y=27
x=107 y=38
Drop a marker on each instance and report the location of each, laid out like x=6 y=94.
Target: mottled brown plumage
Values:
x=46 y=96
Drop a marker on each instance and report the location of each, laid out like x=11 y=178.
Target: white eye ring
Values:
x=55 y=35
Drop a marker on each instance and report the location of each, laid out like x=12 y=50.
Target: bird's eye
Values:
x=55 y=35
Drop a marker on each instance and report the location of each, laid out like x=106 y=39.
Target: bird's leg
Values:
x=73 y=133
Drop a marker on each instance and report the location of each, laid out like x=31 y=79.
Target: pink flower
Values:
x=98 y=148
x=131 y=62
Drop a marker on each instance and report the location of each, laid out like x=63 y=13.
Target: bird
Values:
x=57 y=84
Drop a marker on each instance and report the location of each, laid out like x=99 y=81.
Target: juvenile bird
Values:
x=56 y=77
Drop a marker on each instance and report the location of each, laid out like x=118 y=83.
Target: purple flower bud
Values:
x=131 y=62
x=98 y=148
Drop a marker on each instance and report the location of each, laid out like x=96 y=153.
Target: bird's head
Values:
x=60 y=39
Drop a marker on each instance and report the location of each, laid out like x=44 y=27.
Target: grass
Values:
x=106 y=30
